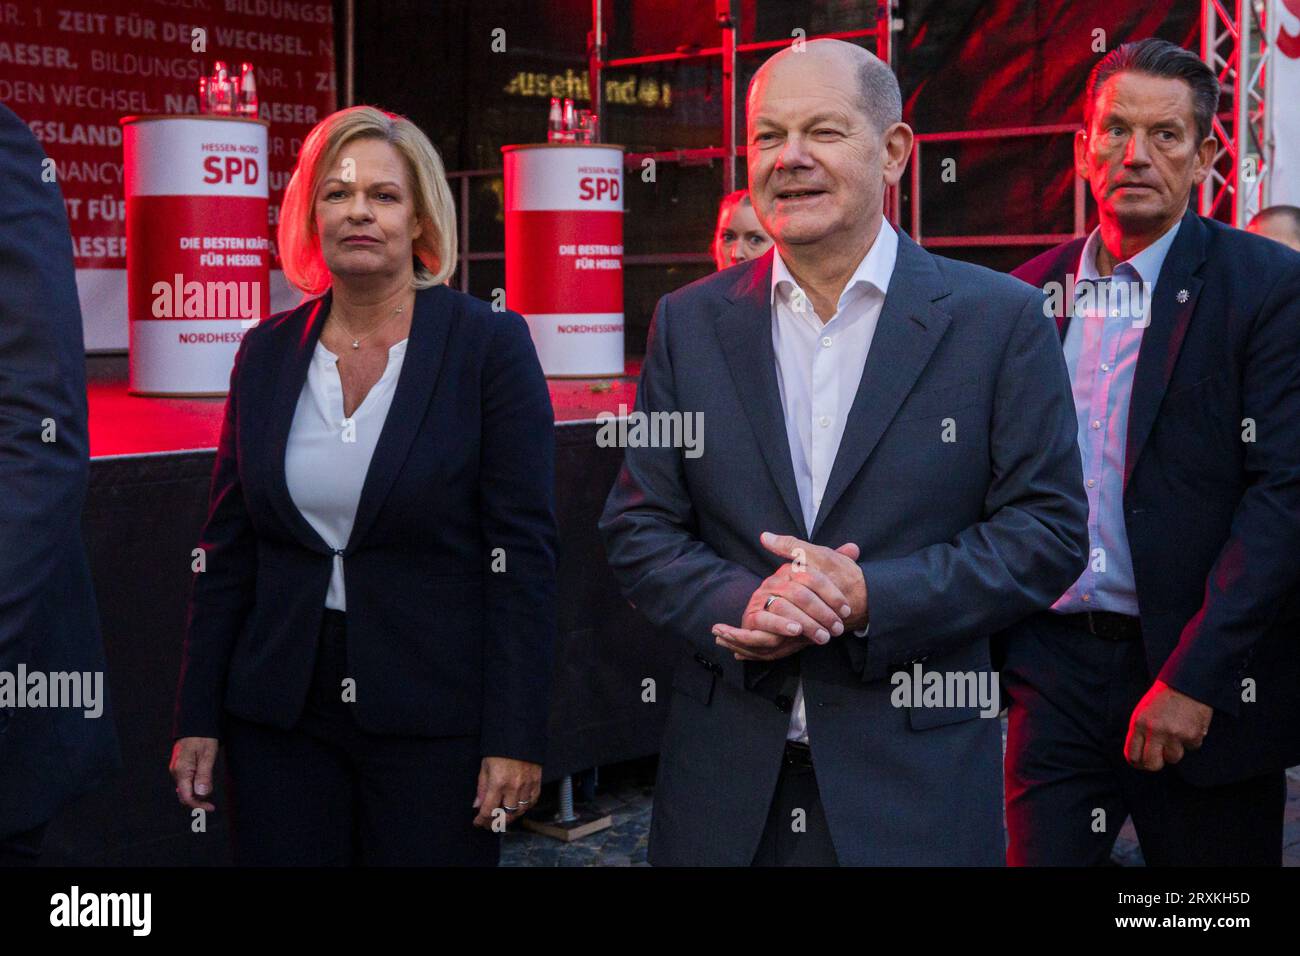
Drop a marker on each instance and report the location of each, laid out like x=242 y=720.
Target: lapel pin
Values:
x=1183 y=295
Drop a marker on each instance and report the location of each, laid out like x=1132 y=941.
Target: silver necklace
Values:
x=356 y=342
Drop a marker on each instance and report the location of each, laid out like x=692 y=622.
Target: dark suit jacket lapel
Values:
x=425 y=349
x=1065 y=275
x=424 y=352
x=287 y=387
x=1163 y=338
x=745 y=331
x=1058 y=272
x=907 y=333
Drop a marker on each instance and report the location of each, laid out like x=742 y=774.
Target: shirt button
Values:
x=1092 y=482
x=824 y=422
x=1105 y=367
x=1087 y=597
x=826 y=341
x=1096 y=423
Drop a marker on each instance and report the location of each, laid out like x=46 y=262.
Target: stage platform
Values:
x=125 y=424
x=151 y=465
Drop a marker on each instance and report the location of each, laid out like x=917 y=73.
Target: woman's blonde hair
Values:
x=434 y=247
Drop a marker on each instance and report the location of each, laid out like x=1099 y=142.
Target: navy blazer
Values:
x=1213 y=519
x=48 y=617
x=959 y=539
x=451 y=564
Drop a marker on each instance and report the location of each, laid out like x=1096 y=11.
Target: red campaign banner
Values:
x=72 y=68
x=564 y=261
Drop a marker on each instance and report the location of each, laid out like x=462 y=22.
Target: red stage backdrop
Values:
x=72 y=68
x=994 y=64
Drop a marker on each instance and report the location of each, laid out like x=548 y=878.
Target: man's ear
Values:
x=1205 y=154
x=898 y=148
x=1081 y=165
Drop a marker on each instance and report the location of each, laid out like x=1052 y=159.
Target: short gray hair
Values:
x=882 y=100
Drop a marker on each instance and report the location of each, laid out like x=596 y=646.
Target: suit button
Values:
x=784 y=704
x=712 y=666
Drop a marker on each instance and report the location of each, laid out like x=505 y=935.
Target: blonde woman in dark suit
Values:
x=371 y=638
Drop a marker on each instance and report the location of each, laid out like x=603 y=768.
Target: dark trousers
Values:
x=1069 y=787
x=796 y=832
x=23 y=849
x=327 y=793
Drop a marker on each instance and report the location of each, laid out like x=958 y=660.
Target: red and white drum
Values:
x=197 y=249
x=564 y=253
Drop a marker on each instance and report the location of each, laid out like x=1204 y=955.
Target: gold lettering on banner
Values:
x=647 y=92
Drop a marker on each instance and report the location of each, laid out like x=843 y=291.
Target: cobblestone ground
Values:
x=627 y=790
x=625 y=793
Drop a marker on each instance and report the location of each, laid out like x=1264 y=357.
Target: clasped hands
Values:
x=818 y=594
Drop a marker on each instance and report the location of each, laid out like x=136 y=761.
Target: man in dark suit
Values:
x=901 y=425
x=48 y=619
x=1165 y=682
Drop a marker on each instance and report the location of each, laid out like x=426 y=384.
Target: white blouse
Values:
x=326 y=460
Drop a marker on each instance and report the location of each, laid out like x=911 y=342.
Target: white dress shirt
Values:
x=326 y=460
x=818 y=369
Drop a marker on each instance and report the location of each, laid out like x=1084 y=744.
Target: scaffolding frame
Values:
x=1240 y=173
x=727 y=17
x=1239 y=184
x=1234 y=44
x=997 y=239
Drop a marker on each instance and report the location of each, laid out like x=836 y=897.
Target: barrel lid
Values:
x=194 y=116
x=517 y=146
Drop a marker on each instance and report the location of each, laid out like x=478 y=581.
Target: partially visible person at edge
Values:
x=1279 y=223
x=49 y=621
x=738 y=235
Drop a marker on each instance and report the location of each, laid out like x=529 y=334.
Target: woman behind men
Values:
x=370 y=639
x=737 y=236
